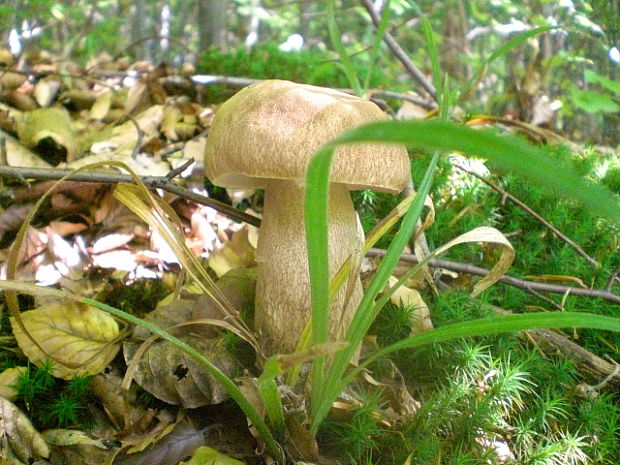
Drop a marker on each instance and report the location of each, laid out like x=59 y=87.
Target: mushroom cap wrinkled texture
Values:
x=270 y=130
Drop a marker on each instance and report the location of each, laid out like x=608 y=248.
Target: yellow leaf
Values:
x=206 y=455
x=8 y=381
x=76 y=333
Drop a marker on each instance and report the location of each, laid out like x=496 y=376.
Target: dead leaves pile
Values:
x=55 y=114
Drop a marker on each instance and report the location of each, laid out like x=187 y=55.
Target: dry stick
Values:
x=216 y=79
x=516 y=282
x=540 y=219
x=400 y=53
x=159 y=182
x=164 y=183
x=590 y=365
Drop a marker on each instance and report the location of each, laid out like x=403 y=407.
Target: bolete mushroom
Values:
x=263 y=137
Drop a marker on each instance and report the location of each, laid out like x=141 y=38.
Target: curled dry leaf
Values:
x=19 y=439
x=75 y=333
x=170 y=449
x=50 y=128
x=171 y=375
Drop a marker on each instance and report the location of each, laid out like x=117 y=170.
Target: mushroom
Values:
x=263 y=138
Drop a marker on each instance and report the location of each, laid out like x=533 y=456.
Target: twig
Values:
x=540 y=219
x=400 y=53
x=515 y=282
x=215 y=79
x=160 y=182
x=179 y=169
x=590 y=365
x=612 y=279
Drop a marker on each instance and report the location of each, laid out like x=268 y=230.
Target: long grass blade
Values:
x=494 y=325
x=510 y=153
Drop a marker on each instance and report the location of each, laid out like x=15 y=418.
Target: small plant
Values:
x=53 y=403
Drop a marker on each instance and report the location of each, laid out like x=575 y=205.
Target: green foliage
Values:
x=357 y=437
x=51 y=402
x=268 y=62
x=139 y=298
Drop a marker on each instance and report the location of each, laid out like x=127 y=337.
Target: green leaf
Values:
x=593 y=102
x=510 y=153
x=609 y=84
x=495 y=325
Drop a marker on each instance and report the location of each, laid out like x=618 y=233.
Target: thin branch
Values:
x=399 y=53
x=164 y=183
x=612 y=279
x=160 y=182
x=540 y=219
x=216 y=79
x=515 y=282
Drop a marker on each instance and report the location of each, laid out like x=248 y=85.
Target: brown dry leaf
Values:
x=171 y=375
x=78 y=447
x=51 y=130
x=300 y=441
x=19 y=439
x=170 y=449
x=8 y=381
x=556 y=278
x=73 y=332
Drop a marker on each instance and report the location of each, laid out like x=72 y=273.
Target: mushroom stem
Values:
x=283 y=286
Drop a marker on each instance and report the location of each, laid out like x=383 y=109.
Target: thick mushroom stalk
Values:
x=282 y=293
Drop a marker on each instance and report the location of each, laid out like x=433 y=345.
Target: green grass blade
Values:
x=518 y=40
x=334 y=35
x=505 y=48
x=315 y=214
x=509 y=152
x=363 y=317
x=431 y=46
x=270 y=395
x=376 y=43
x=495 y=325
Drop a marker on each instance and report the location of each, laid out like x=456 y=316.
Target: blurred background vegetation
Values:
x=566 y=78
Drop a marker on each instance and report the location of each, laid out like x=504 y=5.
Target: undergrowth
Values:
x=497 y=399
x=52 y=402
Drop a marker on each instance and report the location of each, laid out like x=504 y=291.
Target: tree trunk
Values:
x=212 y=24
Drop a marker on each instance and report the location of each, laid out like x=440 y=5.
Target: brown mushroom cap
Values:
x=269 y=131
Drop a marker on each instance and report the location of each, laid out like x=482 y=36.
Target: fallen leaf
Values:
x=410 y=298
x=8 y=382
x=72 y=332
x=18 y=436
x=206 y=455
x=77 y=447
x=172 y=448
x=50 y=130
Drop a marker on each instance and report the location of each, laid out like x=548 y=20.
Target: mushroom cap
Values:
x=270 y=130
